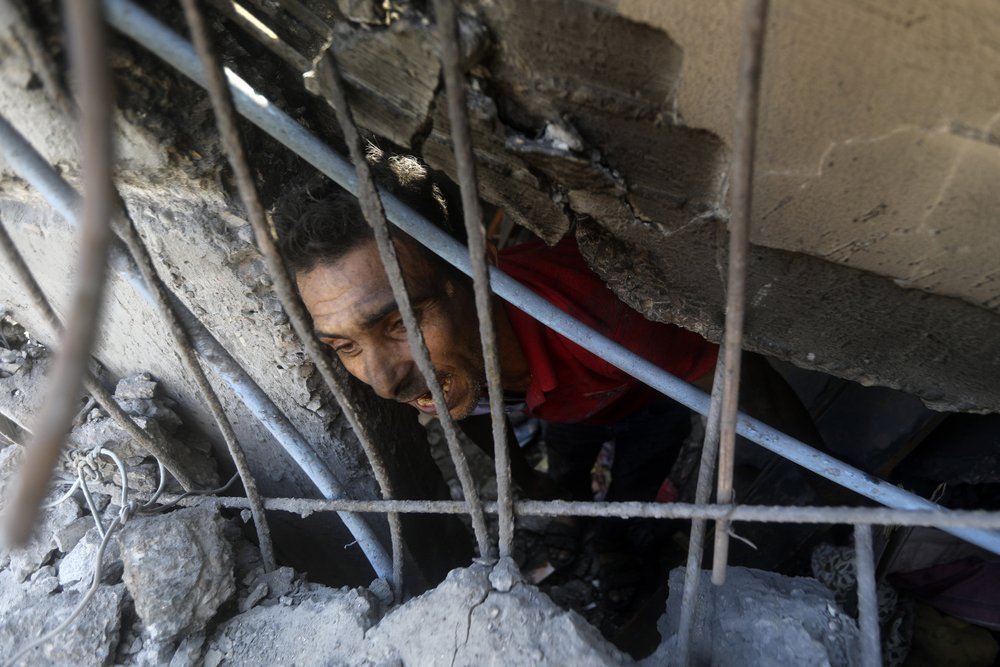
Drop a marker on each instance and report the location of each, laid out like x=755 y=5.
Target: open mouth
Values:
x=425 y=403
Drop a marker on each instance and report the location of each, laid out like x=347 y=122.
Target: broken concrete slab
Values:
x=325 y=631
x=760 y=619
x=466 y=621
x=178 y=569
x=90 y=640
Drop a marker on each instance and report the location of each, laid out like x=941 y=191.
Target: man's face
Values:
x=355 y=313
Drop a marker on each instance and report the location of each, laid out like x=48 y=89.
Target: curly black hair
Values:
x=321 y=222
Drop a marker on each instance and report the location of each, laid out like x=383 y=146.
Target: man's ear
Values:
x=492 y=254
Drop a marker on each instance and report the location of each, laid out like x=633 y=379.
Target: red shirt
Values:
x=568 y=383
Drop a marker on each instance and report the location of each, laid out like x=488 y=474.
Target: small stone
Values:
x=258 y=593
x=136 y=386
x=188 y=651
x=246 y=515
x=68 y=536
x=213 y=658
x=279 y=582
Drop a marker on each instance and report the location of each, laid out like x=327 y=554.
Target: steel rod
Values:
x=744 y=148
x=696 y=541
x=236 y=153
x=371 y=206
x=32 y=167
x=138 y=24
x=88 y=55
x=473 y=214
x=819 y=515
x=864 y=560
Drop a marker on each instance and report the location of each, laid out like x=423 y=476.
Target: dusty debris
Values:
x=766 y=619
x=178 y=569
x=319 y=630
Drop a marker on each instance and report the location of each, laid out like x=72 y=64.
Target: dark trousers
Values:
x=646 y=445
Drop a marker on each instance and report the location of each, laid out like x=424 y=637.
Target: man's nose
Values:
x=386 y=373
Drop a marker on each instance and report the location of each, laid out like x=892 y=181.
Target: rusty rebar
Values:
x=473 y=214
x=744 y=147
x=820 y=515
x=90 y=67
x=864 y=568
x=696 y=543
x=225 y=116
x=371 y=206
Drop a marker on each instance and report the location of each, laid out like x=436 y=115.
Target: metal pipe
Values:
x=89 y=66
x=138 y=24
x=744 y=146
x=864 y=561
x=473 y=214
x=33 y=168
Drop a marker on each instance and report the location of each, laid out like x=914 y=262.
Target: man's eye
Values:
x=345 y=349
x=397 y=326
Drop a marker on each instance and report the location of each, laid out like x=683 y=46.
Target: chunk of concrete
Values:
x=178 y=569
x=466 y=621
x=760 y=619
x=90 y=640
x=327 y=631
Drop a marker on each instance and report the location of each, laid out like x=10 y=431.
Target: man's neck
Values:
x=514 y=372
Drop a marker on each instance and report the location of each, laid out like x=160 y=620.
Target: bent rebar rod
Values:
x=145 y=29
x=33 y=168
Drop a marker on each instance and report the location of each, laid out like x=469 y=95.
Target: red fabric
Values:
x=569 y=384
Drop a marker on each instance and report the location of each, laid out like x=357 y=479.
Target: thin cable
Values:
x=63 y=498
x=472 y=212
x=90 y=64
x=864 y=561
x=744 y=146
x=225 y=118
x=331 y=81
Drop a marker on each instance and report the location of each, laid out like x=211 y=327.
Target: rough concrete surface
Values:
x=760 y=619
x=466 y=621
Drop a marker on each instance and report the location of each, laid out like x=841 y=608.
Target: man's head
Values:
x=329 y=246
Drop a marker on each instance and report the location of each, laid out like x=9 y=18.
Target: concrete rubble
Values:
x=763 y=619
